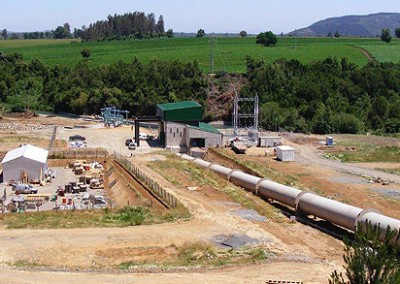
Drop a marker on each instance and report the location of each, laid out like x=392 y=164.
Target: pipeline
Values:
x=303 y=202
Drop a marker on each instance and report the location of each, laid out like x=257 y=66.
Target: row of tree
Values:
x=135 y=25
x=386 y=35
x=131 y=86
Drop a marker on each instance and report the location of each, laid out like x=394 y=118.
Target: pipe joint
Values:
x=362 y=214
x=231 y=172
x=255 y=192
x=298 y=199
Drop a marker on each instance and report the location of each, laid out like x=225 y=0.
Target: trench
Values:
x=125 y=190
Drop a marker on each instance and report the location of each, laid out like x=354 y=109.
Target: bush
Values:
x=347 y=123
x=129 y=215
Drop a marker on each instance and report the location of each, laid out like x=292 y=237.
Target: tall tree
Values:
x=267 y=39
x=397 y=32
x=4 y=33
x=200 y=33
x=385 y=35
x=62 y=32
x=170 y=33
x=160 y=25
x=243 y=33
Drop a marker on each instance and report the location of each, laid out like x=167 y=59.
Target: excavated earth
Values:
x=298 y=252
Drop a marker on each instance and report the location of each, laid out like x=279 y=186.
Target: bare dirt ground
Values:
x=301 y=253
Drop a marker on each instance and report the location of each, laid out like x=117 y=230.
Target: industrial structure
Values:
x=113 y=116
x=239 y=114
x=269 y=141
x=25 y=163
x=180 y=127
x=303 y=202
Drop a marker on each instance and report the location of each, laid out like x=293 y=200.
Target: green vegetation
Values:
x=364 y=153
x=201 y=254
x=329 y=96
x=369 y=259
x=135 y=25
x=313 y=85
x=229 y=53
x=267 y=39
x=127 y=216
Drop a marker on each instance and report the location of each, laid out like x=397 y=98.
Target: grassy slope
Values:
x=229 y=53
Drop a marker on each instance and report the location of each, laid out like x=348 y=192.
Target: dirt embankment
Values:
x=124 y=190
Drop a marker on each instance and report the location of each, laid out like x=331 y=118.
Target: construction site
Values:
x=259 y=207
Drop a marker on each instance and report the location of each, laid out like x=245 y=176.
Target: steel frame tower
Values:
x=237 y=115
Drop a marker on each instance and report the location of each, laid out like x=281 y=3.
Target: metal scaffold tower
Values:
x=113 y=116
x=237 y=115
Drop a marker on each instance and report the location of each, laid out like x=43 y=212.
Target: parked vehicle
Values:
x=132 y=146
x=143 y=136
x=25 y=188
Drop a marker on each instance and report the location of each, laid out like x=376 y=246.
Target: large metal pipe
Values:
x=381 y=220
x=308 y=203
x=220 y=170
x=330 y=210
x=279 y=192
x=201 y=163
x=244 y=180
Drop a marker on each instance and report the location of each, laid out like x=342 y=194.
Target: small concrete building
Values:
x=285 y=153
x=25 y=163
x=180 y=127
x=184 y=136
x=269 y=141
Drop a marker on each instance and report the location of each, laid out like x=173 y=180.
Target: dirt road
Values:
x=309 y=154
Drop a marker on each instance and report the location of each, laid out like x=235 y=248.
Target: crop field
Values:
x=228 y=54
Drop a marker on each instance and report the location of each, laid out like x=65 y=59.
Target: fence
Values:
x=53 y=137
x=79 y=153
x=152 y=185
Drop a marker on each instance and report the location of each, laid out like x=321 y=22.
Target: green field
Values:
x=229 y=53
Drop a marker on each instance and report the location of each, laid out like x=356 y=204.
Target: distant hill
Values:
x=357 y=26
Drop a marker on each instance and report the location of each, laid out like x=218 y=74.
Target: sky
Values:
x=219 y=16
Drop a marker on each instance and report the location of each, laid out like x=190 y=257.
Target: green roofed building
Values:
x=181 y=127
x=188 y=111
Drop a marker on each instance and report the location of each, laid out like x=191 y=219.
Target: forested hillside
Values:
x=323 y=97
x=327 y=96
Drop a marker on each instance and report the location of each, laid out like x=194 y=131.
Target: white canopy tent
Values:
x=25 y=162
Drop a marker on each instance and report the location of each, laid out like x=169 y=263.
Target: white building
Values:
x=285 y=153
x=269 y=141
x=184 y=136
x=25 y=163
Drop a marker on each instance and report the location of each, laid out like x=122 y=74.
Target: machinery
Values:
x=304 y=202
